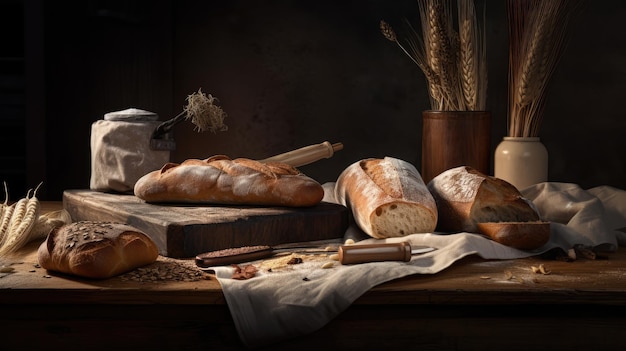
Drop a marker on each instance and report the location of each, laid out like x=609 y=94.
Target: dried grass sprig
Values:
x=453 y=61
x=203 y=111
x=537 y=36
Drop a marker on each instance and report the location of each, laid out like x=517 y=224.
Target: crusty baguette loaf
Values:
x=387 y=197
x=96 y=249
x=470 y=201
x=221 y=180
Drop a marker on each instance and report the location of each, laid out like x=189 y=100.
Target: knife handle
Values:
x=351 y=254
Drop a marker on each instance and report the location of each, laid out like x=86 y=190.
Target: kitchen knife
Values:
x=347 y=254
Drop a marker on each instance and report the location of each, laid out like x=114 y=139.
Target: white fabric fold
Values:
x=274 y=306
x=576 y=211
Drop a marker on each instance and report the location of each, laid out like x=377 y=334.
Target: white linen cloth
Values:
x=275 y=306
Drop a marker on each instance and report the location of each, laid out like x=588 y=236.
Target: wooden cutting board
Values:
x=183 y=231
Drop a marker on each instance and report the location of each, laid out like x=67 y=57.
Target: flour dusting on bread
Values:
x=456 y=186
x=387 y=197
x=383 y=174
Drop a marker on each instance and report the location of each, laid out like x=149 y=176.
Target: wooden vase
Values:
x=455 y=138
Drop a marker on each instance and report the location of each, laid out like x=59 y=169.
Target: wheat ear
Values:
x=414 y=48
x=472 y=58
x=439 y=51
x=537 y=35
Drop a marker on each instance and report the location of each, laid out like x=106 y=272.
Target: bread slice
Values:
x=387 y=197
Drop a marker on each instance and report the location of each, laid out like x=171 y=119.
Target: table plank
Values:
x=471 y=280
x=475 y=304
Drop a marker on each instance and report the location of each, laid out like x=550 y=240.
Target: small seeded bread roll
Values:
x=469 y=201
x=387 y=197
x=221 y=180
x=96 y=249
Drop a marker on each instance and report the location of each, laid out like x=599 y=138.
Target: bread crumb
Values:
x=541 y=269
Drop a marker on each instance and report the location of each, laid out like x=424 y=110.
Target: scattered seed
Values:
x=328 y=265
x=5 y=269
x=166 y=270
x=334 y=257
x=349 y=242
x=535 y=269
x=541 y=269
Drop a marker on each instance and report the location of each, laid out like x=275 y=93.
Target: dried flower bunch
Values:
x=203 y=111
x=537 y=32
x=451 y=54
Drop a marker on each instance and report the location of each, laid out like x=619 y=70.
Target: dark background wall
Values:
x=288 y=73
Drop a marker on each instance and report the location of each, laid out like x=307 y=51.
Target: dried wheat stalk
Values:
x=537 y=32
x=453 y=61
x=473 y=58
x=440 y=55
x=414 y=48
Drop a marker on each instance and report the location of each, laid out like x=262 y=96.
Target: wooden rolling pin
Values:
x=306 y=155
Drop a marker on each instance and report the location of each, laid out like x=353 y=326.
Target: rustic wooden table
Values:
x=473 y=305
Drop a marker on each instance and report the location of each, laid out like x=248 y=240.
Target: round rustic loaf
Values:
x=470 y=201
x=96 y=249
x=220 y=180
x=387 y=197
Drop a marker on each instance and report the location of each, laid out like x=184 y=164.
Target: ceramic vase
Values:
x=521 y=161
x=455 y=138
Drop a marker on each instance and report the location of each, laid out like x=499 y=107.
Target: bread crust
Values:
x=96 y=250
x=220 y=180
x=387 y=197
x=466 y=198
x=520 y=235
